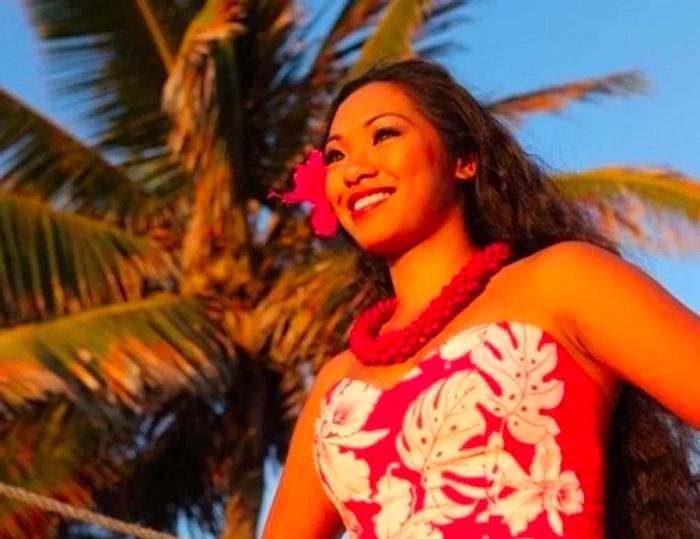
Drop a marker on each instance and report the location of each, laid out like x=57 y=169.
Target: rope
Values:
x=76 y=513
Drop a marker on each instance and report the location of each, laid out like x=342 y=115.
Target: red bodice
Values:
x=498 y=433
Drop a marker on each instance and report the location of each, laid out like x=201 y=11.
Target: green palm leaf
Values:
x=653 y=208
x=54 y=263
x=354 y=16
x=306 y=306
x=204 y=78
x=391 y=39
x=303 y=319
x=112 y=57
x=349 y=32
x=126 y=469
x=192 y=92
x=135 y=355
x=50 y=452
x=42 y=159
x=555 y=98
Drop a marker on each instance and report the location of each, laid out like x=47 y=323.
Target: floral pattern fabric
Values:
x=479 y=440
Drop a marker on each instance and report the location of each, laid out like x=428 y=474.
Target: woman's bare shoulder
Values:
x=625 y=320
x=558 y=268
x=333 y=370
x=313 y=514
x=573 y=253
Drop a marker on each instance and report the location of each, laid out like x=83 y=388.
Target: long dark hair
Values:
x=651 y=490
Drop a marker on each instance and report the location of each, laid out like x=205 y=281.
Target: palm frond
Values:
x=306 y=305
x=190 y=94
x=442 y=17
x=555 y=98
x=212 y=435
x=124 y=470
x=135 y=355
x=302 y=320
x=111 y=59
x=199 y=431
x=278 y=100
x=337 y=49
x=39 y=158
x=355 y=15
x=392 y=36
x=54 y=263
x=197 y=85
x=48 y=452
x=240 y=522
x=650 y=207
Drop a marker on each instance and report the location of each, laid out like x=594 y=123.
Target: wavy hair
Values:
x=652 y=491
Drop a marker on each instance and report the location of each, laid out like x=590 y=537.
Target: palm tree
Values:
x=161 y=318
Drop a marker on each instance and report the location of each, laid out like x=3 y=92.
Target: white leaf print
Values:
x=440 y=514
x=395 y=497
x=346 y=475
x=519 y=369
x=441 y=419
x=561 y=492
x=348 y=407
x=545 y=489
x=497 y=466
x=511 y=379
x=338 y=431
x=517 y=510
x=458 y=346
x=419 y=531
x=357 y=440
x=436 y=426
x=546 y=464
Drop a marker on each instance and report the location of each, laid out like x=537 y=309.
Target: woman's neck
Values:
x=419 y=274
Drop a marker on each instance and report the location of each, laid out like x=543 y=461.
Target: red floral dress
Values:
x=499 y=433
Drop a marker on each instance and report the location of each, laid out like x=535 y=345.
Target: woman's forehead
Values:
x=373 y=100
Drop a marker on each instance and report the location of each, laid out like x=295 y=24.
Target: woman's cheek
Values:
x=403 y=159
x=333 y=188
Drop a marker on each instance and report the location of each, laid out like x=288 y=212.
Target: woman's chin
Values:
x=381 y=242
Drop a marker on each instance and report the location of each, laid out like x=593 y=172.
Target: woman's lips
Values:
x=358 y=213
x=362 y=202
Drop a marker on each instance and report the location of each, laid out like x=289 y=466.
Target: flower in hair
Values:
x=310 y=186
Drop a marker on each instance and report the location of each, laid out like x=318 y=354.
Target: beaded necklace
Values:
x=397 y=346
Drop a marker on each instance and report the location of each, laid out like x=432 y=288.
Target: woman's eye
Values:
x=384 y=133
x=331 y=156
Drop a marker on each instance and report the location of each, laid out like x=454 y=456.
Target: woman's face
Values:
x=390 y=180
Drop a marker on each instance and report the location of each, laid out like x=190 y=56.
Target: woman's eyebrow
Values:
x=383 y=114
x=372 y=120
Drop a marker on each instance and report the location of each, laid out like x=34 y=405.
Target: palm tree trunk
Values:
x=241 y=515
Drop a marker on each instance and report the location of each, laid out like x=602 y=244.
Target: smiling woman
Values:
x=504 y=389
x=386 y=162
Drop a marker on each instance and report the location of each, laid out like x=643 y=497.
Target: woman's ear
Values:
x=466 y=167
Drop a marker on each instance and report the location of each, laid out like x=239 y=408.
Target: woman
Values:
x=490 y=397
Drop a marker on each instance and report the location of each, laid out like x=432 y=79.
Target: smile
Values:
x=364 y=201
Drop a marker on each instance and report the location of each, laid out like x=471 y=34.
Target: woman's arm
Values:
x=301 y=507
x=627 y=322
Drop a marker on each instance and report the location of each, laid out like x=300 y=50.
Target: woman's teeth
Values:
x=370 y=199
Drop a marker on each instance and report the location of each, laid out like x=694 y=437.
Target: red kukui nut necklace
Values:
x=397 y=346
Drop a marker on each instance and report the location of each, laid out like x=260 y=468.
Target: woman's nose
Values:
x=357 y=170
